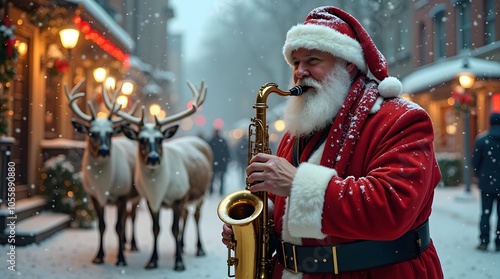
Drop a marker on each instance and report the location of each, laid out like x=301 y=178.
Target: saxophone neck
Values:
x=268 y=88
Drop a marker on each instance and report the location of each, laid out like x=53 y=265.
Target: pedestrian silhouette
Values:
x=486 y=162
x=222 y=157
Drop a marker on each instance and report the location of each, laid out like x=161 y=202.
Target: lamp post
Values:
x=466 y=81
x=69 y=39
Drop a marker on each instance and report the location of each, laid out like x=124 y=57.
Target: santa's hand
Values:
x=271 y=174
x=227 y=234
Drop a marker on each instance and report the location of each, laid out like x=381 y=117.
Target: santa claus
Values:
x=353 y=179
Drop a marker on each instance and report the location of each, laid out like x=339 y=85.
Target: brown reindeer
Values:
x=107 y=169
x=170 y=174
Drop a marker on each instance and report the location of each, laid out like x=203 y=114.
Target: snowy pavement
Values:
x=68 y=254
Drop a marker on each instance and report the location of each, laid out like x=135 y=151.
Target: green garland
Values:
x=8 y=59
x=64 y=192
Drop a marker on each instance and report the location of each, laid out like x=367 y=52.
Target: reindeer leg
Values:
x=99 y=258
x=133 y=210
x=177 y=211
x=200 y=251
x=121 y=207
x=153 y=262
x=184 y=221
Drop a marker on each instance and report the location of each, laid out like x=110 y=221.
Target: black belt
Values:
x=353 y=256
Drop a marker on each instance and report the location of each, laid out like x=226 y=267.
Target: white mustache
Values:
x=309 y=81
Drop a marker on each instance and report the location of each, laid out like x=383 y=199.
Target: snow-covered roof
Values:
x=158 y=74
x=103 y=17
x=440 y=72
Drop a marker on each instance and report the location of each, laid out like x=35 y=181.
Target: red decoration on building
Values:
x=463 y=99
x=101 y=41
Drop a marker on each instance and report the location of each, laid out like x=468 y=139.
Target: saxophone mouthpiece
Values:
x=299 y=90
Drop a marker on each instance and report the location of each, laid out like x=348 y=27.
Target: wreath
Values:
x=462 y=99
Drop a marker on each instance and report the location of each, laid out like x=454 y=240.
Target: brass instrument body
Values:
x=247 y=212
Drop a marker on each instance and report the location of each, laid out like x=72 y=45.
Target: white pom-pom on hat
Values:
x=390 y=87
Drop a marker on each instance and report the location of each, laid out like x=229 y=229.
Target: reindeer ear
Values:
x=129 y=132
x=80 y=127
x=118 y=129
x=170 y=131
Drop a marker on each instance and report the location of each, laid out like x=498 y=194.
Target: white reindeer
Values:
x=107 y=169
x=170 y=174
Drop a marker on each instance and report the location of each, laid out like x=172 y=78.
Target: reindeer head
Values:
x=99 y=130
x=151 y=135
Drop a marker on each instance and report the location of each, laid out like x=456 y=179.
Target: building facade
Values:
x=39 y=115
x=452 y=38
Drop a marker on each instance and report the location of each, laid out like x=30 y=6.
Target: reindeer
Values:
x=107 y=169
x=170 y=174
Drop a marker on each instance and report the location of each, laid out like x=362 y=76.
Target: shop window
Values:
x=463 y=25
x=489 y=21
x=439 y=35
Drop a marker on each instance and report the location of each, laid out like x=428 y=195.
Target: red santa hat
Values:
x=332 y=30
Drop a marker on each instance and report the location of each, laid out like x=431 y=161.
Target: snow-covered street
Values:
x=68 y=254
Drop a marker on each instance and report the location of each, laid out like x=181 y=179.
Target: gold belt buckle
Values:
x=335 y=261
x=293 y=258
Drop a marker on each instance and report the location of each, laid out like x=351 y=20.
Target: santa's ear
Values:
x=351 y=68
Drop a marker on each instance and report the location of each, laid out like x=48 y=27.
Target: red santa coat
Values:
x=386 y=191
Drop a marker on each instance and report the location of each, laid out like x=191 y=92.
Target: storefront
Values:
x=459 y=94
x=38 y=109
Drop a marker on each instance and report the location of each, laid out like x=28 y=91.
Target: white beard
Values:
x=315 y=109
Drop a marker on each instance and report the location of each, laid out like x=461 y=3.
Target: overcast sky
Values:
x=189 y=20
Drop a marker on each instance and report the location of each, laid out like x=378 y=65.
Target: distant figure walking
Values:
x=222 y=157
x=486 y=162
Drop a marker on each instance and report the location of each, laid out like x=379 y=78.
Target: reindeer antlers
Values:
x=113 y=106
x=73 y=96
x=199 y=96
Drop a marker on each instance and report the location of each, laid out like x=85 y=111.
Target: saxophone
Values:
x=247 y=212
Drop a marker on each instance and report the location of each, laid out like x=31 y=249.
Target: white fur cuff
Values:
x=306 y=201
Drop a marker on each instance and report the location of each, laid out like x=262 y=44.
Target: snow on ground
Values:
x=68 y=254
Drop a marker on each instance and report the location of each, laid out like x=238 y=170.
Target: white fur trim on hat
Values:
x=312 y=36
x=306 y=201
x=390 y=87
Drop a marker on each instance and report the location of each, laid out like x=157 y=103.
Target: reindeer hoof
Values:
x=200 y=253
x=98 y=260
x=134 y=248
x=121 y=263
x=151 y=265
x=179 y=267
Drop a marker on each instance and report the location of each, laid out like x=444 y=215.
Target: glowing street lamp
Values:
x=110 y=82
x=466 y=80
x=69 y=38
x=154 y=109
x=122 y=100
x=127 y=87
x=100 y=74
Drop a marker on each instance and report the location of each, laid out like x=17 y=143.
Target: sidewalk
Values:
x=455 y=231
x=68 y=254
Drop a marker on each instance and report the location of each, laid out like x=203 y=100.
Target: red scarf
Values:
x=347 y=125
